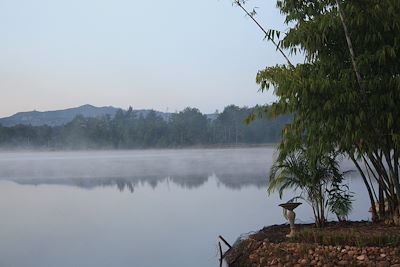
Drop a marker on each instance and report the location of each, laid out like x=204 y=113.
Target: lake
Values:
x=145 y=208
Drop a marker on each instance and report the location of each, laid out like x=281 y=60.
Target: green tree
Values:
x=188 y=127
x=346 y=94
x=319 y=180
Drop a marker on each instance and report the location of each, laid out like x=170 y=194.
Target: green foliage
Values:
x=130 y=129
x=333 y=108
x=188 y=127
x=339 y=200
x=319 y=180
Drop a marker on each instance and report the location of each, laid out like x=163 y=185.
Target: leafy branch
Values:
x=270 y=34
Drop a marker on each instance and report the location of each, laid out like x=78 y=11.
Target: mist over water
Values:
x=137 y=208
x=188 y=168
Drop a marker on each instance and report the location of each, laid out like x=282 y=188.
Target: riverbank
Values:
x=350 y=244
x=5 y=149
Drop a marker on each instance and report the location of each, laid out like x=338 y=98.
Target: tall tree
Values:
x=346 y=95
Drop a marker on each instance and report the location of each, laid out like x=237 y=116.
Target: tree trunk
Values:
x=350 y=47
x=369 y=190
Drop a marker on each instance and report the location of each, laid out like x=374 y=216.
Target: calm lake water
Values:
x=137 y=208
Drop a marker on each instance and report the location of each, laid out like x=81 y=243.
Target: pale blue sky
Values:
x=156 y=54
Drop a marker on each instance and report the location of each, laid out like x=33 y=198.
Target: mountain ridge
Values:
x=56 y=117
x=63 y=116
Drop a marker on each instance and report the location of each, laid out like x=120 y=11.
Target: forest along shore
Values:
x=136 y=129
x=338 y=244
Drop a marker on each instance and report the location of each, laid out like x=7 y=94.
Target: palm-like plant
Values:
x=319 y=180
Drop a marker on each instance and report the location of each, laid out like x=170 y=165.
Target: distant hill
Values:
x=56 y=117
x=61 y=117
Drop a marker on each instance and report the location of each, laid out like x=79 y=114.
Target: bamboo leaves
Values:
x=346 y=95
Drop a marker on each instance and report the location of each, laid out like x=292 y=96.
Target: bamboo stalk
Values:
x=225 y=242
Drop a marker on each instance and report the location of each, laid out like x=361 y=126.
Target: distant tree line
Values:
x=129 y=129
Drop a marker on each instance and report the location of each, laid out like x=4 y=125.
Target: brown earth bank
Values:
x=338 y=244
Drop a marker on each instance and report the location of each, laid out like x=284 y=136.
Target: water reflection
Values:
x=181 y=201
x=126 y=169
x=234 y=182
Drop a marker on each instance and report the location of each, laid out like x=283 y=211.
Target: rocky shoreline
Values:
x=270 y=247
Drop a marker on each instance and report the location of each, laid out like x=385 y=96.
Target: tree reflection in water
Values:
x=231 y=181
x=187 y=168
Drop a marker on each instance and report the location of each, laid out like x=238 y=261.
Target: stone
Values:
x=343 y=263
x=383 y=264
x=274 y=261
x=253 y=258
x=346 y=257
x=332 y=254
x=304 y=262
x=361 y=257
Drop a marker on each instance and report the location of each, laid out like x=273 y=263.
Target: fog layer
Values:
x=190 y=167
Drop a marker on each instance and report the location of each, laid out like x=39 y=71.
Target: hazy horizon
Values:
x=117 y=107
x=149 y=54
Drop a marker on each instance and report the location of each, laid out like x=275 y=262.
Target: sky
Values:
x=163 y=55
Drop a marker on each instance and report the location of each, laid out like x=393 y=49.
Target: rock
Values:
x=361 y=257
x=346 y=257
x=253 y=258
x=274 y=262
x=304 y=262
x=383 y=264
x=343 y=263
x=351 y=253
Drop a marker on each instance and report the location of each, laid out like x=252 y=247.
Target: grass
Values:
x=349 y=238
